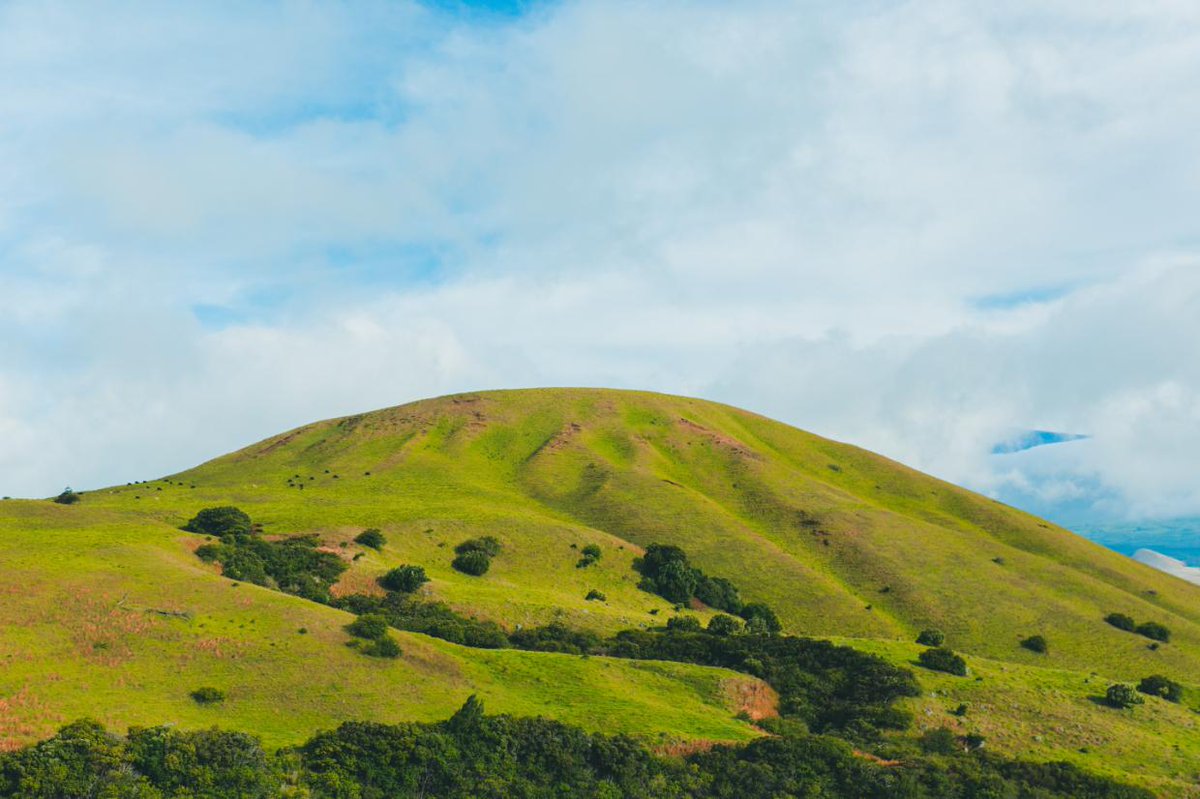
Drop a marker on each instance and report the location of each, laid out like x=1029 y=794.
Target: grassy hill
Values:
x=839 y=541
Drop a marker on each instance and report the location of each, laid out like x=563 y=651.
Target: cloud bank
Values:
x=917 y=227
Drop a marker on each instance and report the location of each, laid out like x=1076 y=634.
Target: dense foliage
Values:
x=221 y=522
x=1122 y=696
x=1121 y=621
x=931 y=637
x=404 y=579
x=666 y=571
x=371 y=537
x=294 y=565
x=1158 y=685
x=490 y=757
x=589 y=555
x=1036 y=643
x=437 y=619
x=67 y=497
x=831 y=688
x=1154 y=630
x=940 y=658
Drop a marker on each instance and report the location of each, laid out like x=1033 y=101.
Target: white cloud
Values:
x=827 y=215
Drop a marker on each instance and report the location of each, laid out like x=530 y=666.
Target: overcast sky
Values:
x=918 y=227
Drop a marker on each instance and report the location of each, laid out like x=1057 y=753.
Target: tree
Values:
x=371 y=537
x=942 y=659
x=1121 y=696
x=760 y=619
x=1158 y=685
x=473 y=562
x=487 y=544
x=931 y=637
x=208 y=695
x=370 y=626
x=675 y=582
x=221 y=522
x=67 y=497
x=1154 y=630
x=1121 y=622
x=724 y=625
x=683 y=624
x=1035 y=643
x=405 y=579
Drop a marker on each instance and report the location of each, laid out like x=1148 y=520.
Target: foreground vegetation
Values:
x=473 y=755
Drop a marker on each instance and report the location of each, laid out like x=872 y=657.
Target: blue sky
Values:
x=924 y=227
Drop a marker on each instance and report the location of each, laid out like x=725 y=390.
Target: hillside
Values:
x=109 y=613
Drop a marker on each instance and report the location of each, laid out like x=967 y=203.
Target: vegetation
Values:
x=1036 y=643
x=1120 y=695
x=1121 y=621
x=294 y=565
x=67 y=497
x=931 y=637
x=724 y=625
x=666 y=571
x=208 y=695
x=472 y=755
x=473 y=562
x=590 y=554
x=405 y=579
x=595 y=596
x=940 y=658
x=1154 y=630
x=1158 y=685
x=371 y=537
x=220 y=522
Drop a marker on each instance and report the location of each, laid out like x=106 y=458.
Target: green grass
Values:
x=839 y=541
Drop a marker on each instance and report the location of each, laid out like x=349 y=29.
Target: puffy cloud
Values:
x=914 y=226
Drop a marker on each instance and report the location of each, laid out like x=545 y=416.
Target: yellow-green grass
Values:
x=110 y=616
x=817 y=529
x=841 y=542
x=1042 y=713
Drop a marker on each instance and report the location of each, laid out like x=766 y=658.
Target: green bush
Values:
x=405 y=579
x=591 y=554
x=724 y=625
x=1121 y=622
x=931 y=637
x=1158 y=685
x=370 y=626
x=1122 y=696
x=940 y=658
x=1154 y=630
x=1036 y=643
x=67 y=497
x=221 y=522
x=382 y=647
x=760 y=619
x=684 y=624
x=485 y=544
x=594 y=595
x=208 y=695
x=665 y=571
x=473 y=562
x=941 y=741
x=371 y=537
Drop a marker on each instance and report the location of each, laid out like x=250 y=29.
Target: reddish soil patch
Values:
x=720 y=439
x=23 y=717
x=754 y=698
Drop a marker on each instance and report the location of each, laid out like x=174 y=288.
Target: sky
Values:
x=925 y=228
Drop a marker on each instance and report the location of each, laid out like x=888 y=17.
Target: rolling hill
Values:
x=108 y=612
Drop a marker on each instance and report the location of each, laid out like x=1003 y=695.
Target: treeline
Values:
x=473 y=756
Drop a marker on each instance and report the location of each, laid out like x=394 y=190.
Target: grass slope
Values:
x=840 y=541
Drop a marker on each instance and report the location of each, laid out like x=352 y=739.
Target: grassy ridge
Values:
x=839 y=541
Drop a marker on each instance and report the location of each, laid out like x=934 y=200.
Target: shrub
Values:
x=591 y=554
x=719 y=593
x=221 y=522
x=383 y=647
x=405 y=579
x=941 y=741
x=684 y=624
x=1035 y=643
x=595 y=595
x=1121 y=622
x=940 y=658
x=556 y=637
x=724 y=625
x=208 y=695
x=486 y=544
x=473 y=562
x=67 y=497
x=371 y=537
x=931 y=637
x=371 y=626
x=1154 y=630
x=1121 y=696
x=760 y=619
x=1158 y=685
